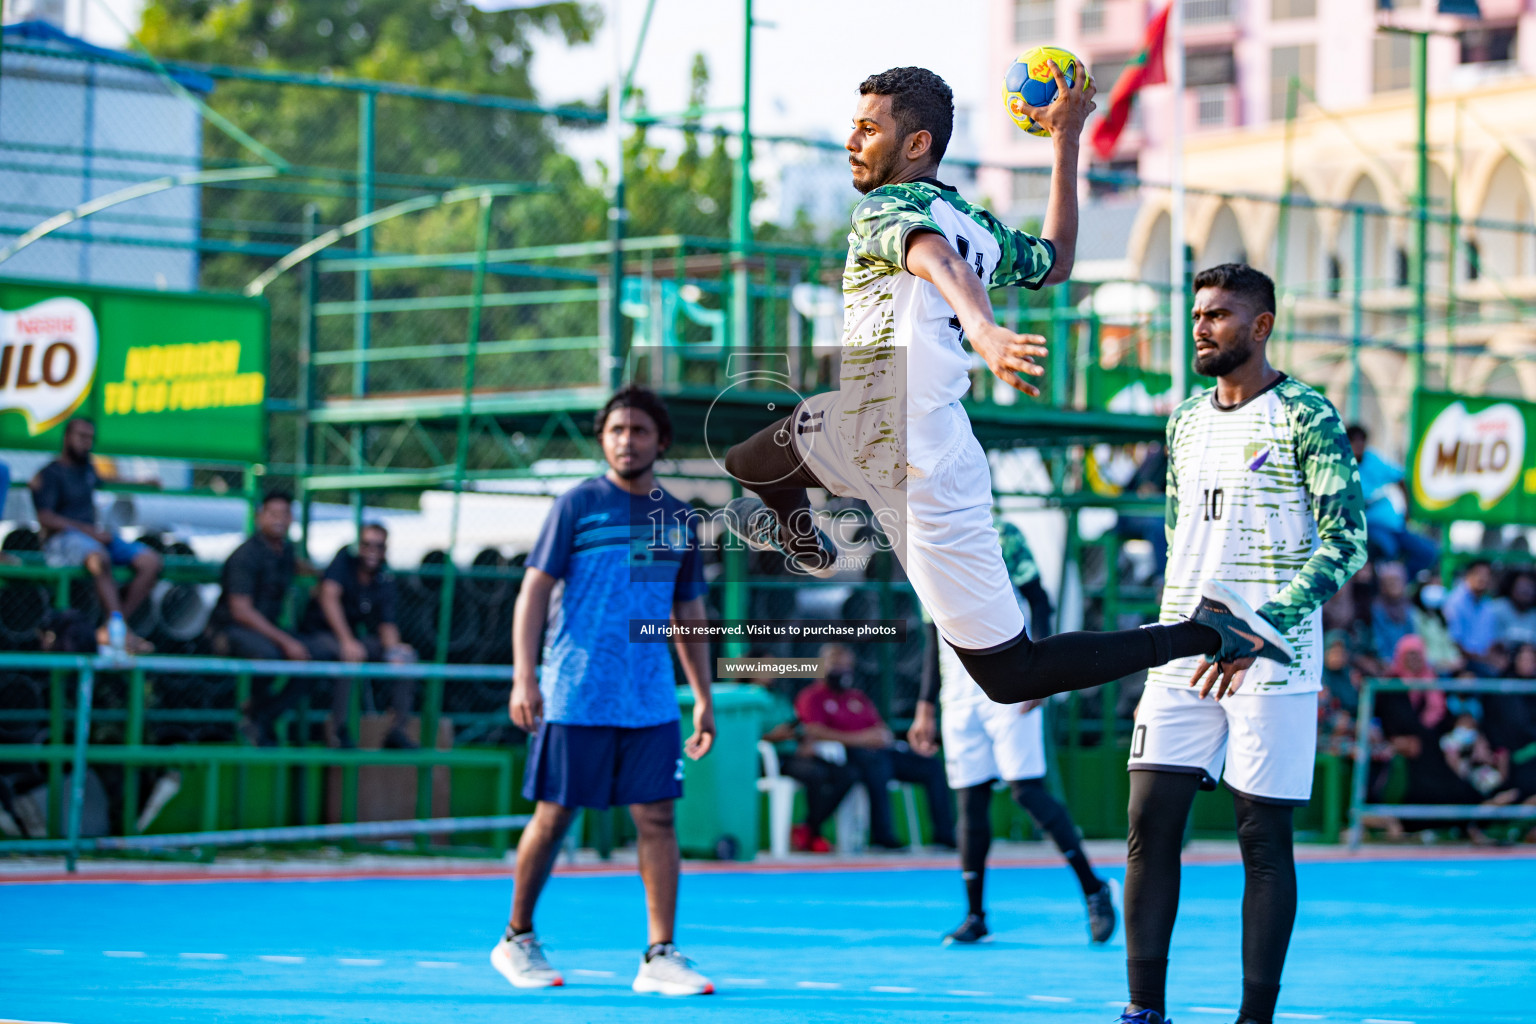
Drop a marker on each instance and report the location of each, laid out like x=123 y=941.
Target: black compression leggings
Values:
x=1026 y=669
x=769 y=464
x=1159 y=808
x=975 y=833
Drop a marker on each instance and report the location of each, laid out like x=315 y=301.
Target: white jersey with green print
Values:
x=1264 y=497
x=886 y=309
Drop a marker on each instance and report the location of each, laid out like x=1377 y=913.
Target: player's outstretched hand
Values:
x=1225 y=676
x=922 y=734
x=526 y=707
x=703 y=737
x=1008 y=355
x=1066 y=114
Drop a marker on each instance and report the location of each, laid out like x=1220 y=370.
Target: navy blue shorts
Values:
x=602 y=766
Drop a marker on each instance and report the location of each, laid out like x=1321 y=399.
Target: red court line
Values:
x=1304 y=853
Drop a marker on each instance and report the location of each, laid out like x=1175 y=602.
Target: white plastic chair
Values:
x=781 y=791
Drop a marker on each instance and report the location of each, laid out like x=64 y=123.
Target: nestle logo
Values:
x=45 y=325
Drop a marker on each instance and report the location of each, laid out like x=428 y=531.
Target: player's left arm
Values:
x=1332 y=482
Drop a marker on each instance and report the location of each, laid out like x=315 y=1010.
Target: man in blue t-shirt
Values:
x=1388 y=538
x=603 y=712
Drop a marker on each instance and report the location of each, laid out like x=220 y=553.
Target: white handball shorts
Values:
x=985 y=741
x=1263 y=746
x=939 y=519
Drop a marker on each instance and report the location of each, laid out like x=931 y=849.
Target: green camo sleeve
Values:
x=884 y=221
x=1332 y=481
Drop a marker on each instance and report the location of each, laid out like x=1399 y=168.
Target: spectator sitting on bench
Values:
x=64 y=494
x=256 y=579
x=359 y=591
x=825 y=783
x=833 y=709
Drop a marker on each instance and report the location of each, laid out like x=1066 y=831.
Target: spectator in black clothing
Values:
x=1415 y=722
x=64 y=494
x=256 y=580
x=351 y=617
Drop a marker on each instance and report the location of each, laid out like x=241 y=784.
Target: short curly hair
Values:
x=920 y=101
x=1240 y=279
x=633 y=396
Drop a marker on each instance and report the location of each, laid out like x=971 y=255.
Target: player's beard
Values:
x=1224 y=360
x=636 y=472
x=878 y=174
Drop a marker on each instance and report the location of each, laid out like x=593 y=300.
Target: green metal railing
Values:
x=133 y=753
x=1360 y=806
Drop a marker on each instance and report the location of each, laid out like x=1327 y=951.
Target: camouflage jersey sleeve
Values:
x=1025 y=259
x=1332 y=482
x=885 y=220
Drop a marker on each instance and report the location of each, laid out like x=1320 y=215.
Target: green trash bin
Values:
x=718 y=814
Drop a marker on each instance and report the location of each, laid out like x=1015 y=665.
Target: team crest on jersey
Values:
x=1256 y=453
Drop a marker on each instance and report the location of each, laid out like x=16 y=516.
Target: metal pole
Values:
x=1362 y=762
x=1177 y=301
x=461 y=454
x=1356 y=312
x=1283 y=225
x=308 y=296
x=1420 y=205
x=617 y=214
x=83 y=697
x=741 y=205
x=362 y=324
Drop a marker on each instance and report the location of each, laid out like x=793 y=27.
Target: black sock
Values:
x=1148 y=981
x=1078 y=860
x=655 y=948
x=1259 y=1001
x=975 y=884
x=975 y=839
x=511 y=933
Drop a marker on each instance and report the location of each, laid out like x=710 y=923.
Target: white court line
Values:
x=47 y=952
x=204 y=956
x=817 y=984
x=966 y=992
x=1053 y=999
x=593 y=974
x=438 y=963
x=276 y=959
x=891 y=988
x=743 y=981
x=128 y=953
x=352 y=961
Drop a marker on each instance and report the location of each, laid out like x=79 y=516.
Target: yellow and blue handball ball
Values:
x=1030 y=81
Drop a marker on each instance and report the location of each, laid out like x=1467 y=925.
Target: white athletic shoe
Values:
x=522 y=962
x=669 y=973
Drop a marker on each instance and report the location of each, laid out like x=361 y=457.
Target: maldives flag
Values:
x=1146 y=68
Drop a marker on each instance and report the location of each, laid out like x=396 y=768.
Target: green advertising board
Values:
x=162 y=373
x=1471 y=459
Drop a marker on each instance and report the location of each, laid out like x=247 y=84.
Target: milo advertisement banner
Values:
x=161 y=373
x=1472 y=459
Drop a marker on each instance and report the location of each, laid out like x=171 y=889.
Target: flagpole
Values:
x=1178 y=316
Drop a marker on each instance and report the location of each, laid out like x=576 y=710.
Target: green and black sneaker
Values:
x=1244 y=632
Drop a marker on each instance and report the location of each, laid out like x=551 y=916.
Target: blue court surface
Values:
x=1388 y=940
